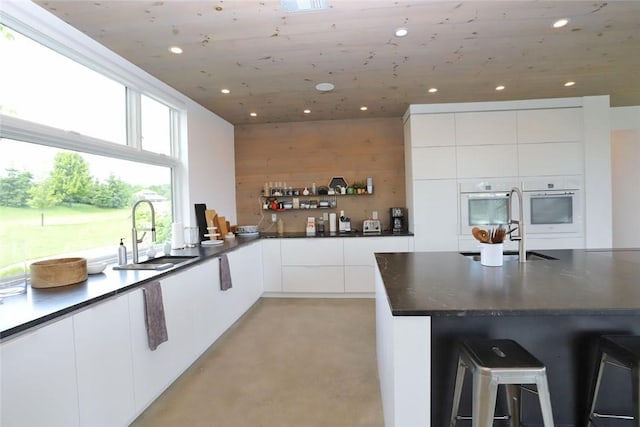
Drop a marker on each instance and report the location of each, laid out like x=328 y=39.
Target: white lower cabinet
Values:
x=320 y=279
x=154 y=370
x=272 y=265
x=104 y=365
x=38 y=378
x=359 y=259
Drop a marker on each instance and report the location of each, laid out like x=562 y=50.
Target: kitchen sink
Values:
x=176 y=259
x=511 y=256
x=156 y=264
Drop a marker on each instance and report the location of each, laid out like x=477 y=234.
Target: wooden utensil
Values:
x=481 y=235
x=497 y=235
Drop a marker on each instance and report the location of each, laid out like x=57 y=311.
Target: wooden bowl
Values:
x=58 y=272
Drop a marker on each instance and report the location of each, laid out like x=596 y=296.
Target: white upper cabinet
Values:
x=486 y=128
x=434 y=162
x=550 y=125
x=432 y=130
x=487 y=161
x=563 y=158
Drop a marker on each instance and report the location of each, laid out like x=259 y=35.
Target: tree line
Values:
x=68 y=182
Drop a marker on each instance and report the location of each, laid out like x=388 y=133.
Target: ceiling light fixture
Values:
x=401 y=32
x=324 y=87
x=175 y=49
x=307 y=111
x=303 y=5
x=253 y=114
x=569 y=84
x=225 y=91
x=560 y=23
x=433 y=90
x=364 y=108
x=500 y=87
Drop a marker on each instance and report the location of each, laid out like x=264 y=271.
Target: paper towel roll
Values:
x=177 y=236
x=332 y=222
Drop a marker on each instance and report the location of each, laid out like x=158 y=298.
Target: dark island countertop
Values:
x=449 y=284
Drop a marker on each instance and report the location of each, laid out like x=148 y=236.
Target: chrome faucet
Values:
x=134 y=230
x=519 y=225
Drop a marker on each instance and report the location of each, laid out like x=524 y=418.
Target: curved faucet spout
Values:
x=134 y=229
x=519 y=225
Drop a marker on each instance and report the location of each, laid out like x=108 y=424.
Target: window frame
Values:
x=42 y=27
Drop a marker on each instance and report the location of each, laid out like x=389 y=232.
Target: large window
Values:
x=78 y=148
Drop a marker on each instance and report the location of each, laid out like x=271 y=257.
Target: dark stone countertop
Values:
x=19 y=313
x=354 y=233
x=593 y=282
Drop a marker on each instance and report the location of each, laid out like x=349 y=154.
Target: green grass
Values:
x=66 y=229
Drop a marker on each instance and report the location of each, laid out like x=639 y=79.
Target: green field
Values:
x=64 y=230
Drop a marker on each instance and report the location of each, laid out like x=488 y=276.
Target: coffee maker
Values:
x=398 y=220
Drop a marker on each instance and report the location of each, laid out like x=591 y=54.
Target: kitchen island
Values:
x=556 y=308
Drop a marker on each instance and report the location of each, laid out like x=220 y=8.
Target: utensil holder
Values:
x=491 y=254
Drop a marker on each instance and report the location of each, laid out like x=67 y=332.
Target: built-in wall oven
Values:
x=554 y=206
x=484 y=204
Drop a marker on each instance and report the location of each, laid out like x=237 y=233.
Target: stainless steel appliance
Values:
x=484 y=204
x=372 y=226
x=554 y=206
x=398 y=220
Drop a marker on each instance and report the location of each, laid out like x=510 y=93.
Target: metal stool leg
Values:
x=635 y=375
x=457 y=392
x=484 y=400
x=545 y=400
x=595 y=388
x=514 y=396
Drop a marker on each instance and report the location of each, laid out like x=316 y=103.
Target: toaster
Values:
x=371 y=226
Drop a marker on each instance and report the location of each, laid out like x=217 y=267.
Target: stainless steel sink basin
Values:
x=511 y=256
x=156 y=264
x=176 y=259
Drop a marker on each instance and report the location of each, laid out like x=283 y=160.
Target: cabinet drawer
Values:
x=360 y=251
x=313 y=279
x=359 y=278
x=312 y=251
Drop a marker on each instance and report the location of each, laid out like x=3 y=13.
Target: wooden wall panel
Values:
x=302 y=153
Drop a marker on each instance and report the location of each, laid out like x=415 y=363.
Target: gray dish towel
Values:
x=225 y=273
x=154 y=315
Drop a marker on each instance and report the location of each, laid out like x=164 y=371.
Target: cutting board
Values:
x=222 y=227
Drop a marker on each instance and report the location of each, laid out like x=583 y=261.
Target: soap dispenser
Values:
x=122 y=253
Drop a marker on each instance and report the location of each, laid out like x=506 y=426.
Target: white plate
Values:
x=212 y=235
x=211 y=242
x=249 y=234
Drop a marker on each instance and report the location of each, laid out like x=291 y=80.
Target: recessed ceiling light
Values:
x=500 y=87
x=364 y=108
x=568 y=84
x=253 y=114
x=560 y=23
x=433 y=90
x=401 y=32
x=225 y=91
x=325 y=87
x=307 y=111
x=175 y=49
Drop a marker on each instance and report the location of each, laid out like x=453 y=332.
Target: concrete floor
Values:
x=287 y=362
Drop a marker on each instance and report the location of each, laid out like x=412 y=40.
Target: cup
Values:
x=191 y=236
x=491 y=254
x=14 y=282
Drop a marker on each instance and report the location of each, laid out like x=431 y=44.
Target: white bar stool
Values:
x=622 y=351
x=494 y=362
